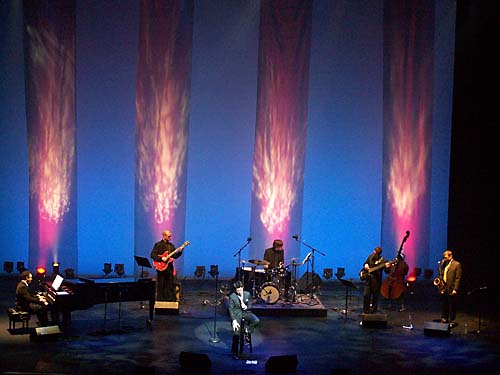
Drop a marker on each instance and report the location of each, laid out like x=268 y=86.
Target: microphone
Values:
x=249 y=239
x=296 y=237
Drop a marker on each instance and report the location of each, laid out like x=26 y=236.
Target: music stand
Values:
x=348 y=284
x=142 y=262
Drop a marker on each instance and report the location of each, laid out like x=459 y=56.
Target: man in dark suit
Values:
x=451 y=273
x=240 y=306
x=32 y=303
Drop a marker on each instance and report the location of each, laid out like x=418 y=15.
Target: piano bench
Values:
x=16 y=316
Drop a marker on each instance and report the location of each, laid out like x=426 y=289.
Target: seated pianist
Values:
x=30 y=302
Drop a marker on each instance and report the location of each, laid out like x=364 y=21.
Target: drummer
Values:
x=275 y=255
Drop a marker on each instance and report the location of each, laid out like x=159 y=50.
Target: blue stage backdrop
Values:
x=346 y=134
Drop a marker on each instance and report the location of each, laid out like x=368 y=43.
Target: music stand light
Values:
x=8 y=266
x=200 y=271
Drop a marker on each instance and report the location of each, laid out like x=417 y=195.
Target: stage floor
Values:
x=329 y=344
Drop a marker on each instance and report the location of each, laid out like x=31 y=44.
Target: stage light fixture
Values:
x=214 y=270
x=107 y=268
x=200 y=271
x=41 y=271
x=428 y=273
x=120 y=269
x=327 y=273
x=20 y=267
x=340 y=272
x=69 y=273
x=55 y=268
x=8 y=266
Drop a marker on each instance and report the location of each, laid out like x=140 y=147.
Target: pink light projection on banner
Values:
x=279 y=154
x=50 y=96
x=162 y=112
x=408 y=110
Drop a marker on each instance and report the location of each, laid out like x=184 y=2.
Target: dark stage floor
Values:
x=328 y=344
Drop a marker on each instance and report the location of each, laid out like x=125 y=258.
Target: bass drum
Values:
x=269 y=293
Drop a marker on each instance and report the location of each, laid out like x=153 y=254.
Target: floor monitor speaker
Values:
x=374 y=320
x=46 y=333
x=436 y=329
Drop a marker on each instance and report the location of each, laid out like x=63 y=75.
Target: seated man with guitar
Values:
x=371 y=274
x=163 y=255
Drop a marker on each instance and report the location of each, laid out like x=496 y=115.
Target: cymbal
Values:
x=259 y=262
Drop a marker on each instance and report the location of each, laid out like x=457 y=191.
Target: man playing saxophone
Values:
x=450 y=273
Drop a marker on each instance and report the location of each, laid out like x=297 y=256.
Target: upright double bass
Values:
x=393 y=285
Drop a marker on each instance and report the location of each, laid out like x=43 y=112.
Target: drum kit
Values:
x=270 y=284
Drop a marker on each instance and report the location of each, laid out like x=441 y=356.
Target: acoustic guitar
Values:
x=162 y=265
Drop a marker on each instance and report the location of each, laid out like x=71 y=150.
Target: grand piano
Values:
x=83 y=293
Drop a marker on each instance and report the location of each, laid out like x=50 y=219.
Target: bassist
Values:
x=165 y=289
x=373 y=280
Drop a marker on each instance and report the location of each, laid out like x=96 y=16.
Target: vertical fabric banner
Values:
x=407 y=121
x=49 y=45
x=281 y=123
x=162 y=111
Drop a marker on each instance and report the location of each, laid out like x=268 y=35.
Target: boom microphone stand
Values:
x=240 y=274
x=313 y=251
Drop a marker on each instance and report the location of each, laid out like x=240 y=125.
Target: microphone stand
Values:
x=313 y=251
x=214 y=338
x=240 y=274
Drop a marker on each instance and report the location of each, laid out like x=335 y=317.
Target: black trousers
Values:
x=165 y=289
x=448 y=306
x=370 y=295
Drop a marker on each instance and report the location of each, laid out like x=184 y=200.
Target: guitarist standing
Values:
x=165 y=289
x=373 y=279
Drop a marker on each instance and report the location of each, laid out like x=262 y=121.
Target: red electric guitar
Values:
x=162 y=266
